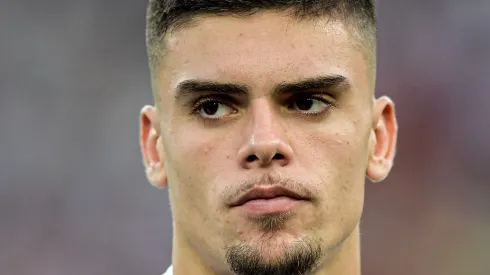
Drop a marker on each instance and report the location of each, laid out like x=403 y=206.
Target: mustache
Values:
x=305 y=189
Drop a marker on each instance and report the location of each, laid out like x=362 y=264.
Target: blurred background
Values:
x=73 y=196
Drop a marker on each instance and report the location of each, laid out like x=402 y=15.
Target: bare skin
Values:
x=257 y=130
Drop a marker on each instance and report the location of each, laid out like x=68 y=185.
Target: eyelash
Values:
x=329 y=104
x=199 y=103
x=223 y=99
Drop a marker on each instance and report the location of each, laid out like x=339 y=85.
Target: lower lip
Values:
x=270 y=206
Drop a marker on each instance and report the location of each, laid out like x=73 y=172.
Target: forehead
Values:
x=260 y=50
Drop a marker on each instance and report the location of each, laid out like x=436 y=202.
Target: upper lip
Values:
x=268 y=192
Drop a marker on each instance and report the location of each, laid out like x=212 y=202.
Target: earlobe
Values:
x=382 y=140
x=151 y=146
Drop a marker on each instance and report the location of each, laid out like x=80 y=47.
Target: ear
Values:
x=382 y=143
x=152 y=146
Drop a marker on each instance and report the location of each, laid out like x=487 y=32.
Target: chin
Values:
x=272 y=245
x=275 y=253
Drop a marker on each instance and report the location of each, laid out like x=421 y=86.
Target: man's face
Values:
x=256 y=103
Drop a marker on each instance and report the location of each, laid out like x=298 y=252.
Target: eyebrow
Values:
x=196 y=86
x=329 y=82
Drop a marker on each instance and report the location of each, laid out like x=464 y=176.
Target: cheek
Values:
x=205 y=156
x=338 y=151
x=194 y=163
x=340 y=158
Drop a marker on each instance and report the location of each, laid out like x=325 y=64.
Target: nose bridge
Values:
x=265 y=138
x=262 y=120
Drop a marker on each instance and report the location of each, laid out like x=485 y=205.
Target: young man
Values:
x=264 y=128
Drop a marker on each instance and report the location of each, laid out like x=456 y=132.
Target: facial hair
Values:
x=299 y=258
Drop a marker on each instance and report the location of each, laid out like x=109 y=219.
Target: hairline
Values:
x=359 y=35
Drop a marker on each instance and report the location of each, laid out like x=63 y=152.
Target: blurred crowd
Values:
x=73 y=196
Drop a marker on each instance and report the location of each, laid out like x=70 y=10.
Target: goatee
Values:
x=299 y=258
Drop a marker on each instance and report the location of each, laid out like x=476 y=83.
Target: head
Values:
x=270 y=100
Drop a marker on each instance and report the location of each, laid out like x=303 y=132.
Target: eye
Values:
x=213 y=109
x=310 y=105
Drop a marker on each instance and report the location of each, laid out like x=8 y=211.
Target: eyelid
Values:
x=221 y=98
x=224 y=99
x=321 y=96
x=328 y=103
x=324 y=100
x=231 y=102
x=204 y=99
x=316 y=93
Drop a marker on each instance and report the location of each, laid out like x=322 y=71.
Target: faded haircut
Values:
x=165 y=16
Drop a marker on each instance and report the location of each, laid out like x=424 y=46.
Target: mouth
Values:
x=269 y=200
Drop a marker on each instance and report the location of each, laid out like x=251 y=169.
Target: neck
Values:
x=346 y=261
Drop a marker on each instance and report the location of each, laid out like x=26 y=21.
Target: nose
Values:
x=266 y=143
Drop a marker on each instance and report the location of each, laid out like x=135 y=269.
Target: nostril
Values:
x=278 y=156
x=252 y=158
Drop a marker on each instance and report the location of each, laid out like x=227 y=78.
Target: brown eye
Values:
x=304 y=104
x=213 y=109
x=210 y=108
x=310 y=105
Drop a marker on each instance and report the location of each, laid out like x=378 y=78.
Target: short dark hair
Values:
x=163 y=16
